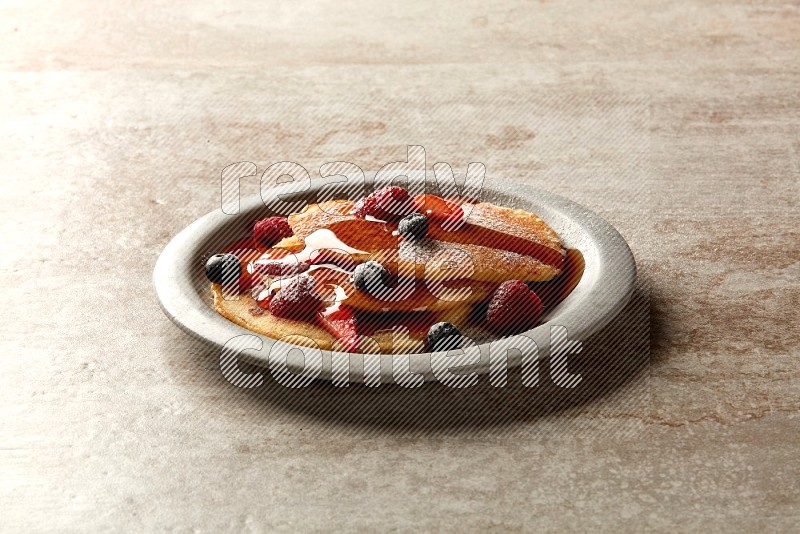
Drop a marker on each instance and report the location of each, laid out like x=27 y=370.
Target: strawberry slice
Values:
x=437 y=208
x=341 y=322
x=248 y=278
x=263 y=303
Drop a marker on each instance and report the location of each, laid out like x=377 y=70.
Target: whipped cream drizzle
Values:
x=339 y=295
x=279 y=281
x=322 y=239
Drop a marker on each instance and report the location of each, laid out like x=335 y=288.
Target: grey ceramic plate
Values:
x=605 y=288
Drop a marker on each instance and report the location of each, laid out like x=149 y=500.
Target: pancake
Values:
x=451 y=274
x=430 y=257
x=246 y=313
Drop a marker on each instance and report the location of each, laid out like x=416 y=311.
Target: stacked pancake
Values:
x=449 y=275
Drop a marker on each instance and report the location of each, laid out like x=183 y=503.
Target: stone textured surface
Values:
x=677 y=121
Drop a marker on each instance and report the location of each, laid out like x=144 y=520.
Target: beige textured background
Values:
x=678 y=121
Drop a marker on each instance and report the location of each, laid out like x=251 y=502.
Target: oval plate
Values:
x=605 y=288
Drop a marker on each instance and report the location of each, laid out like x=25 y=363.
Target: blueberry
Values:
x=223 y=269
x=413 y=226
x=371 y=277
x=444 y=336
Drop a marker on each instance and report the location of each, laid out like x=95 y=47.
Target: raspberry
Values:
x=371 y=278
x=387 y=204
x=513 y=306
x=298 y=299
x=413 y=226
x=269 y=231
x=443 y=336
